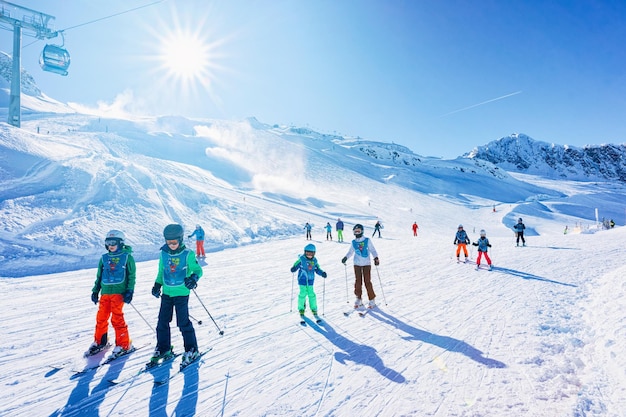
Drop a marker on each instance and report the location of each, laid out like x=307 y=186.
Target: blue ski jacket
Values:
x=483 y=244
x=307 y=268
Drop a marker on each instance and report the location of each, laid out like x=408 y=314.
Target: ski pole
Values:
x=140 y=315
x=291 y=301
x=207 y=311
x=195 y=319
x=381 y=284
x=324 y=298
x=345 y=268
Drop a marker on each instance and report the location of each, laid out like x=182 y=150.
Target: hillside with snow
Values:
x=542 y=334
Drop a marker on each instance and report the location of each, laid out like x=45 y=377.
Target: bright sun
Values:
x=185 y=56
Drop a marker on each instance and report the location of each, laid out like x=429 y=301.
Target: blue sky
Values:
x=437 y=76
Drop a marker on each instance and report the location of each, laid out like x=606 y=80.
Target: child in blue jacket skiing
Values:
x=307 y=267
x=483 y=245
x=461 y=240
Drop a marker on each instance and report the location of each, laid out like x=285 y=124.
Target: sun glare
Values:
x=184 y=50
x=185 y=56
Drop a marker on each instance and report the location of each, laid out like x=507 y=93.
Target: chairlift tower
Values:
x=33 y=23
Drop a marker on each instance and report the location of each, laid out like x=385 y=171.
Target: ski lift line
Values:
x=113 y=15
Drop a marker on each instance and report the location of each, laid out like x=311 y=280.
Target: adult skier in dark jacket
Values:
x=519 y=231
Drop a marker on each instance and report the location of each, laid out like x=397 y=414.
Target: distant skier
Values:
x=115 y=280
x=307 y=227
x=519 y=232
x=329 y=231
x=483 y=245
x=362 y=247
x=377 y=228
x=307 y=267
x=178 y=273
x=461 y=240
x=199 y=234
x=339 y=228
x=415 y=227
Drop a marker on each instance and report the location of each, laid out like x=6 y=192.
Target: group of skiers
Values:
x=461 y=240
x=339 y=228
x=179 y=272
x=306 y=266
x=177 y=275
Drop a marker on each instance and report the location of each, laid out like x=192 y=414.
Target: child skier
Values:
x=307 y=267
x=329 y=231
x=178 y=273
x=199 y=234
x=461 y=240
x=115 y=280
x=307 y=227
x=362 y=247
x=483 y=244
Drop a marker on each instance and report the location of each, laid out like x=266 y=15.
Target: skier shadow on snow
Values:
x=526 y=275
x=85 y=402
x=445 y=342
x=160 y=391
x=359 y=354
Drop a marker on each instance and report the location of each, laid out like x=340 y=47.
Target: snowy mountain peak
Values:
x=519 y=152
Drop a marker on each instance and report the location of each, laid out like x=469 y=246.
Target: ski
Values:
x=488 y=268
x=349 y=313
x=366 y=311
x=107 y=361
x=318 y=319
x=182 y=368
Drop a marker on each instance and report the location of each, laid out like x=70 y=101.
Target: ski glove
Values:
x=475 y=244
x=94 y=297
x=344 y=259
x=156 y=290
x=376 y=261
x=128 y=296
x=324 y=274
x=294 y=268
x=191 y=281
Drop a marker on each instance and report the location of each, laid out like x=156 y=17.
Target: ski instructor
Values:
x=362 y=247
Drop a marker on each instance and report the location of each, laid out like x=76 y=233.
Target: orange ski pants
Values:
x=460 y=246
x=111 y=305
x=200 y=247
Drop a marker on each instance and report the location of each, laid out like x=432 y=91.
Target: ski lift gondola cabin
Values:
x=54 y=59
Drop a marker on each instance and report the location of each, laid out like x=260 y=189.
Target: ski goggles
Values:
x=112 y=242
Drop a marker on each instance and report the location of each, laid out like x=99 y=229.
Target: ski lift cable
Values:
x=100 y=19
x=113 y=15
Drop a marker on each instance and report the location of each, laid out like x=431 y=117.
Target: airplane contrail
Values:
x=480 y=104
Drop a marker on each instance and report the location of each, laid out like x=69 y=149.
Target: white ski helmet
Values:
x=483 y=233
x=114 y=237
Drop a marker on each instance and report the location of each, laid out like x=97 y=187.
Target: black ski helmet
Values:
x=174 y=232
x=356 y=227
